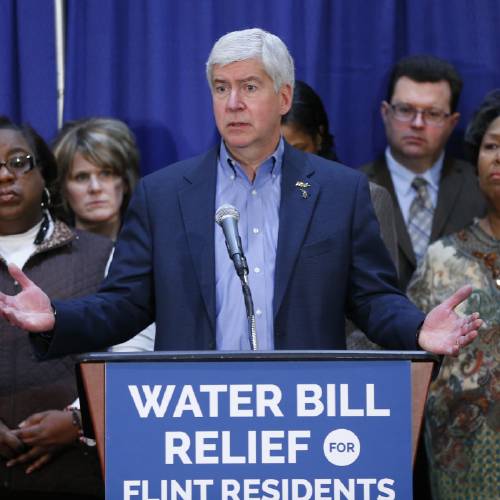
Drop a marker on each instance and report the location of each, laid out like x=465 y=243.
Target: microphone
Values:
x=227 y=217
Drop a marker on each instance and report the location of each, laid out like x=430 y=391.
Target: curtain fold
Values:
x=28 y=90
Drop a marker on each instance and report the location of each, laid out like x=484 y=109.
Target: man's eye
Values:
x=405 y=110
x=250 y=88
x=220 y=89
x=434 y=113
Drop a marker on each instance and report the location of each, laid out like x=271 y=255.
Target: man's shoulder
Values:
x=182 y=169
x=459 y=166
x=327 y=169
x=373 y=167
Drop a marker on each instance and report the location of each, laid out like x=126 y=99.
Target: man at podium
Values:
x=310 y=251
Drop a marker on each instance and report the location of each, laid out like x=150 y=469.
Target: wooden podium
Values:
x=92 y=376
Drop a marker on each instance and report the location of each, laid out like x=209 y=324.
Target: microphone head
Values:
x=226 y=211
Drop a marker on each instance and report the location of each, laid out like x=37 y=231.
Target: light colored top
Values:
x=402 y=178
x=258 y=203
x=18 y=248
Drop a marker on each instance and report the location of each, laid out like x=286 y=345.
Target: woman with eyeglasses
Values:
x=68 y=263
x=462 y=431
x=98 y=167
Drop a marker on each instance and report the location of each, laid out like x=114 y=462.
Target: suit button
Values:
x=279 y=333
x=211 y=344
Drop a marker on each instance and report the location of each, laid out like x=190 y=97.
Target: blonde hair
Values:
x=104 y=142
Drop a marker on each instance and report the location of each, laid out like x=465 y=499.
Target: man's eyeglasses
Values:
x=19 y=164
x=430 y=116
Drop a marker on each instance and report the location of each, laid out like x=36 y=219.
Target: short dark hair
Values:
x=426 y=68
x=488 y=111
x=43 y=155
x=308 y=114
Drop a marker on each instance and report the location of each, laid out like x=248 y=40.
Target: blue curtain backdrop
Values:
x=27 y=63
x=143 y=61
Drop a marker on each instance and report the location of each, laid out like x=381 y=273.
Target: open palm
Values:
x=443 y=331
x=30 y=309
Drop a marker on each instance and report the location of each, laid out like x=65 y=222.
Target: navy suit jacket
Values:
x=330 y=262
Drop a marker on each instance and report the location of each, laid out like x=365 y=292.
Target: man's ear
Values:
x=454 y=119
x=384 y=110
x=286 y=95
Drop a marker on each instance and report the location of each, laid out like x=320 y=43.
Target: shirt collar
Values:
x=271 y=165
x=405 y=176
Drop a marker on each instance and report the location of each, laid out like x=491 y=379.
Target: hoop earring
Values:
x=46 y=199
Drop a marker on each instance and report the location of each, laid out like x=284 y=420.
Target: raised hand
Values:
x=30 y=309
x=443 y=331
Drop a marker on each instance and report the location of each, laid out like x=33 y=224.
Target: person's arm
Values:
x=385 y=313
x=122 y=307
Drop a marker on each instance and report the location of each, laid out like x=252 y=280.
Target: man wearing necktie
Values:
x=434 y=194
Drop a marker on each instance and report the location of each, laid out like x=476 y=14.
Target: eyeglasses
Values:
x=430 y=116
x=19 y=164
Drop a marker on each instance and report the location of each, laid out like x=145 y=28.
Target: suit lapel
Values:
x=197 y=203
x=295 y=214
x=382 y=176
x=450 y=186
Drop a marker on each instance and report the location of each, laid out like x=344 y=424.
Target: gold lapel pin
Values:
x=303 y=188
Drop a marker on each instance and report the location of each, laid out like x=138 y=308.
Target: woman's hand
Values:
x=10 y=444
x=47 y=434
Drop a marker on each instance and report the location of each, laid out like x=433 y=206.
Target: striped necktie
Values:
x=420 y=218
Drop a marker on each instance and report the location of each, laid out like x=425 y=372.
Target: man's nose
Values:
x=418 y=120
x=234 y=100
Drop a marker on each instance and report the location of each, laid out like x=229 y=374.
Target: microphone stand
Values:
x=242 y=272
x=247 y=295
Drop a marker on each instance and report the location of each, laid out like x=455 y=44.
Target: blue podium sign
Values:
x=288 y=430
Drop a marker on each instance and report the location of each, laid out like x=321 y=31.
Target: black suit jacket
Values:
x=459 y=201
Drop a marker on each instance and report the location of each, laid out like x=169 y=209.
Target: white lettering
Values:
x=176 y=444
x=151 y=399
x=187 y=402
x=371 y=411
x=309 y=400
x=271 y=402
x=213 y=397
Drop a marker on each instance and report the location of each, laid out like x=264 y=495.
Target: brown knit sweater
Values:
x=69 y=264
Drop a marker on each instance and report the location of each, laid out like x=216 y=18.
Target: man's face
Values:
x=247 y=108
x=415 y=143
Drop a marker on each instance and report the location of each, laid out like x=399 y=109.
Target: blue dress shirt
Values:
x=258 y=203
x=402 y=178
